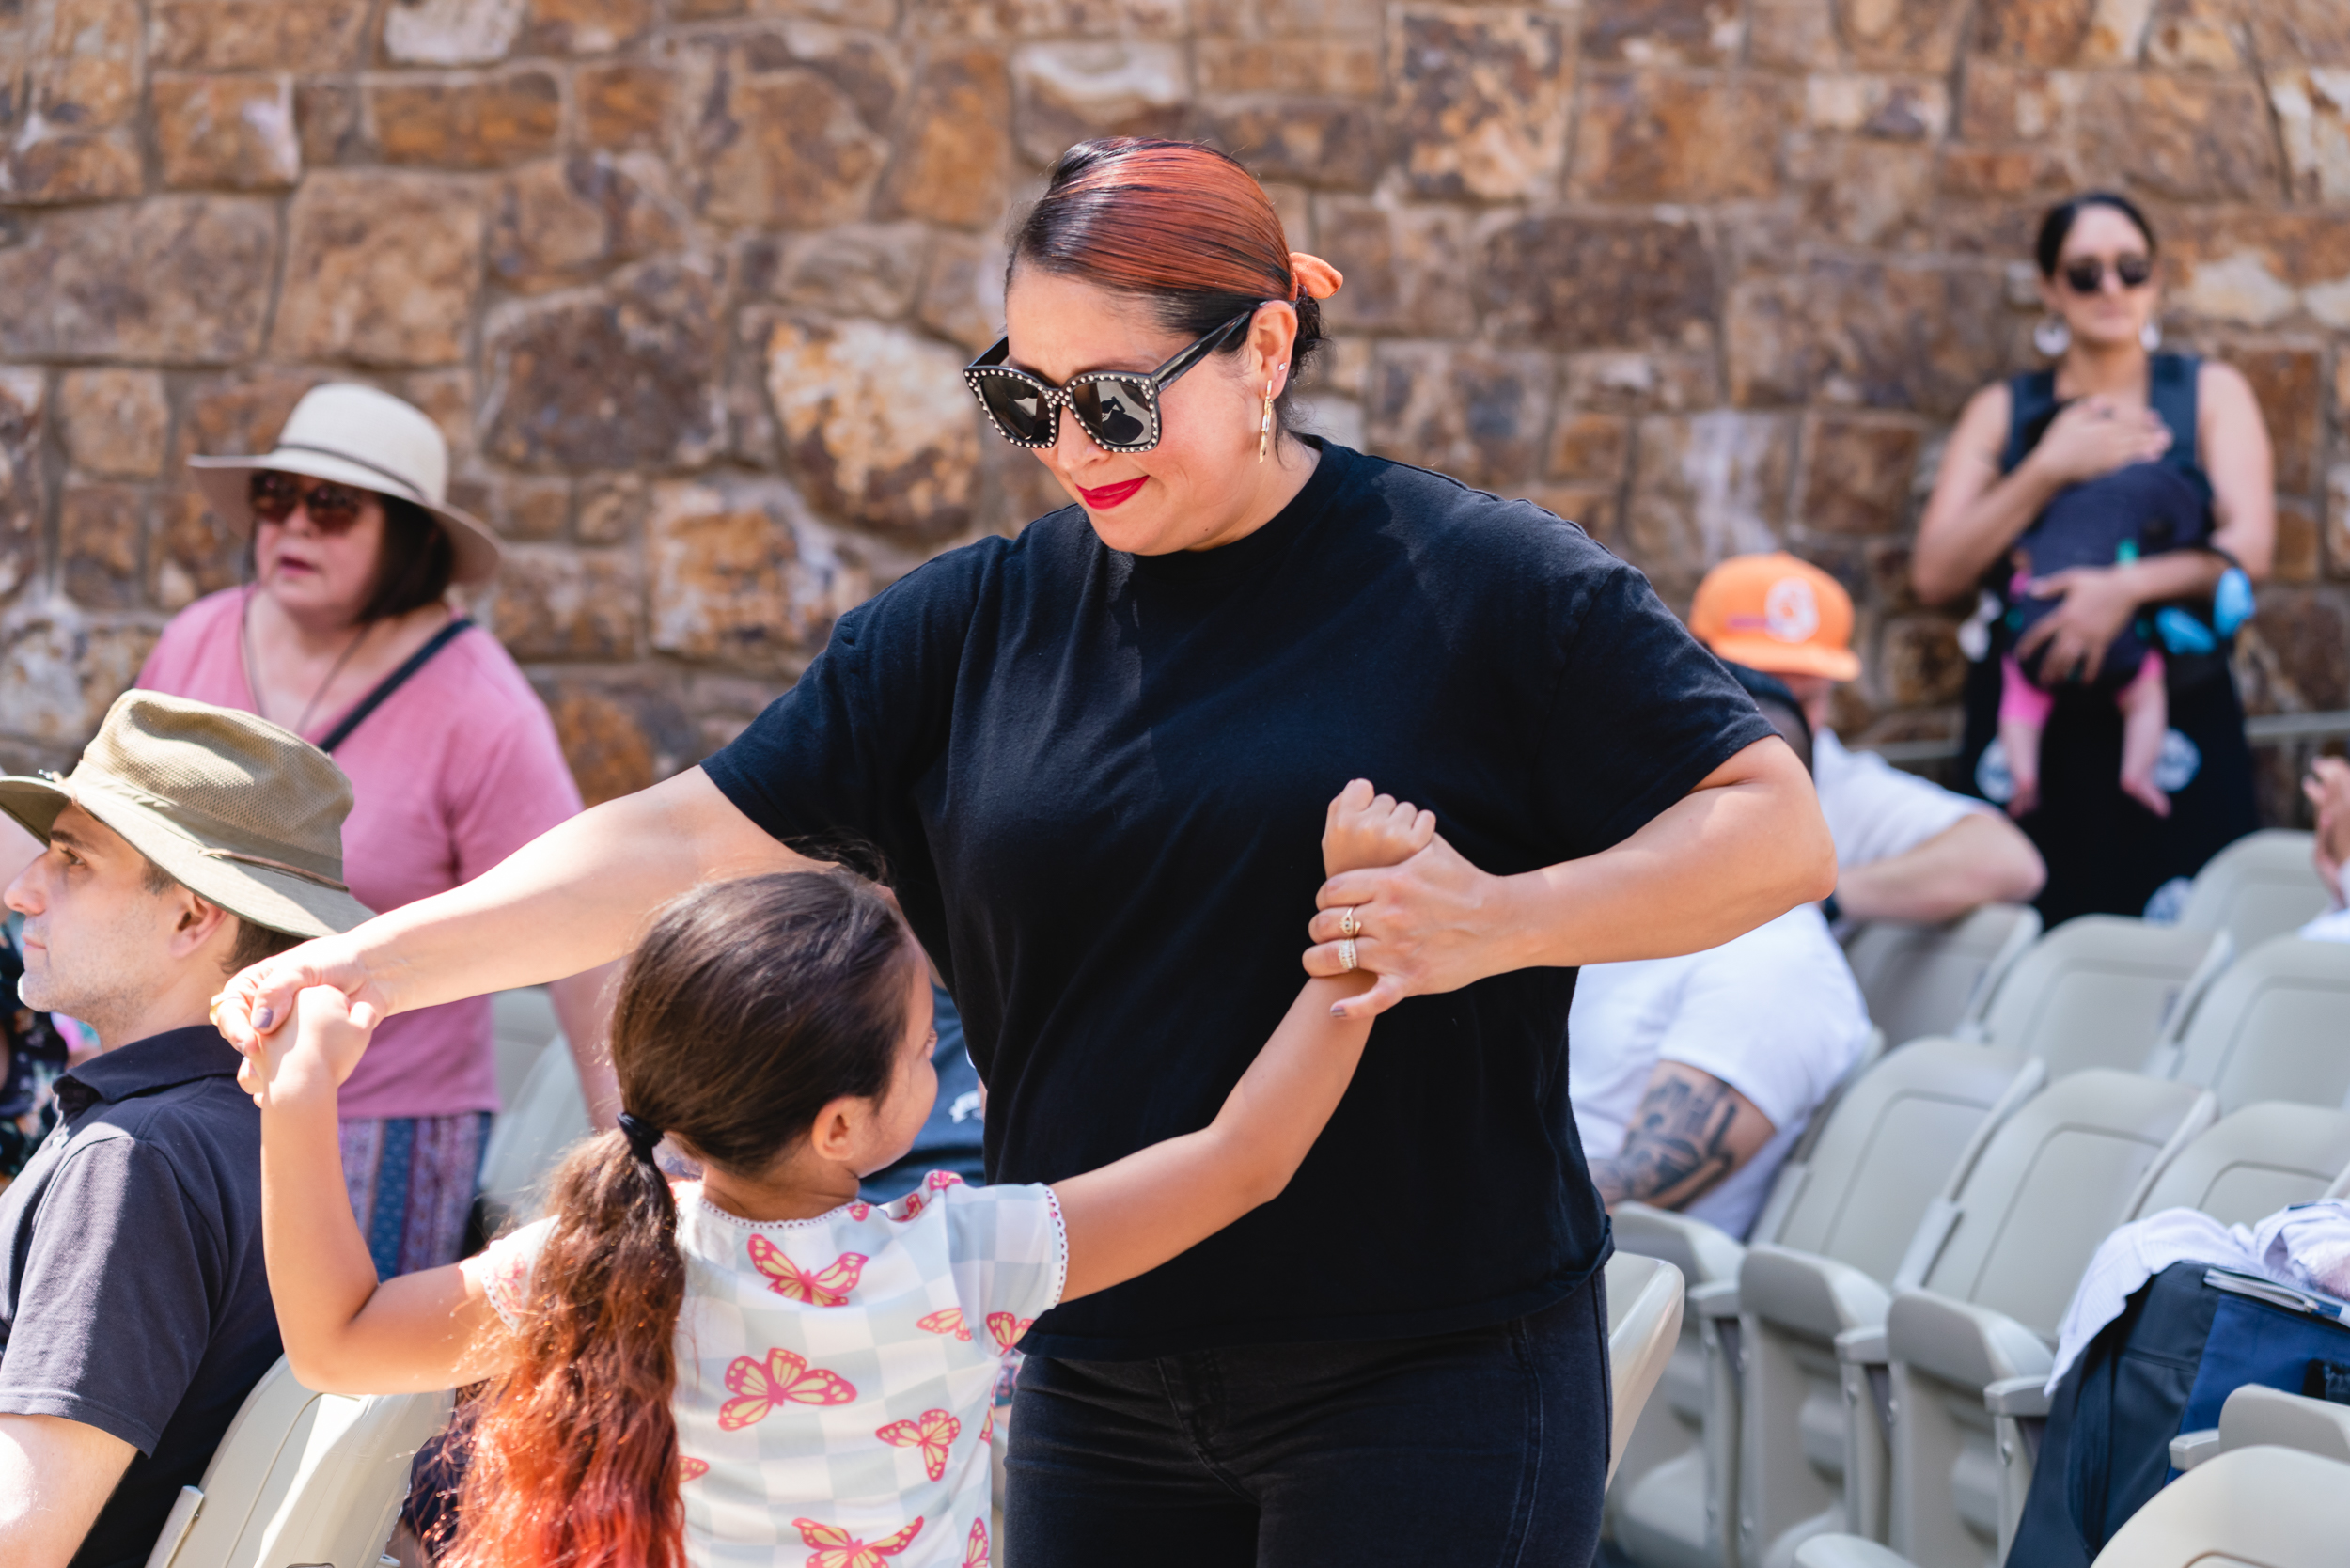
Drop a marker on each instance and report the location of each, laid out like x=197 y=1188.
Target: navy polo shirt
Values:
x=132 y=1293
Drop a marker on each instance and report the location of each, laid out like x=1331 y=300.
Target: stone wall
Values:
x=687 y=283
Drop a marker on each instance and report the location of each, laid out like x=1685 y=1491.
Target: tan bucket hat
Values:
x=357 y=436
x=234 y=808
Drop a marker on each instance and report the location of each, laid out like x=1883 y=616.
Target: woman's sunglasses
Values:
x=1118 y=409
x=333 y=508
x=2087 y=274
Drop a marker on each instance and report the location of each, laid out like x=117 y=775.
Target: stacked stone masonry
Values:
x=687 y=283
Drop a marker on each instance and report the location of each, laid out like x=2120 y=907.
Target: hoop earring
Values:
x=1264 y=421
x=2052 y=336
x=2150 y=336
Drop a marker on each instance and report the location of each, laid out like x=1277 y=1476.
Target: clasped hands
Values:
x=1427 y=925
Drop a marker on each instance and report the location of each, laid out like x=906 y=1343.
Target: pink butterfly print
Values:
x=939 y=1181
x=974 y=1554
x=784 y=1379
x=1007 y=1328
x=908 y=1207
x=987 y=1426
x=691 y=1470
x=837 y=1549
x=828 y=1286
x=930 y=1433
x=858 y=1210
x=947 y=1320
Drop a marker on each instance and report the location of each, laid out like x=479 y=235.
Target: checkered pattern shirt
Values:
x=835 y=1375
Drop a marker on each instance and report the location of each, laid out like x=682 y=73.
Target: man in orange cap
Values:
x=1905 y=849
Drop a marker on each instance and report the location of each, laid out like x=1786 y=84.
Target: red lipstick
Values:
x=1112 y=495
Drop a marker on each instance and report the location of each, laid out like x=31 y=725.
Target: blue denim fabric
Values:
x=1483 y=1449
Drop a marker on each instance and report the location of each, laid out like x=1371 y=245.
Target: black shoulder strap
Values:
x=2173 y=386
x=2031 y=403
x=393 y=682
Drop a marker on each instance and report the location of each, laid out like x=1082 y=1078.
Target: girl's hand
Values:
x=1429 y=925
x=2098 y=602
x=258 y=1000
x=313 y=1058
x=2097 y=435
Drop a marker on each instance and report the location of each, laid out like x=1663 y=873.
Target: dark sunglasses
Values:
x=2087 y=274
x=333 y=508
x=1118 y=409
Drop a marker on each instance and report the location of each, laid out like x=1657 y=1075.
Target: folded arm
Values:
x=1978 y=860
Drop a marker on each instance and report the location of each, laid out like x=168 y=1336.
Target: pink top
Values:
x=456 y=771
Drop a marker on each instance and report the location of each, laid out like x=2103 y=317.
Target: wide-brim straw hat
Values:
x=358 y=436
x=232 y=807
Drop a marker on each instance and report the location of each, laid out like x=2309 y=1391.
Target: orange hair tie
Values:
x=1315 y=277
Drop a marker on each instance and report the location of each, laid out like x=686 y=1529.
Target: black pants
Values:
x=1486 y=1448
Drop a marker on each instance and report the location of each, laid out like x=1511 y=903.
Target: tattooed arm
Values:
x=1691 y=1132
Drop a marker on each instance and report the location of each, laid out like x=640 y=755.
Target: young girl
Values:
x=757 y=1368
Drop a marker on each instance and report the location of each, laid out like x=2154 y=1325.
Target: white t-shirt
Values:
x=837 y=1376
x=1776 y=1014
x=1874 y=810
x=2334 y=925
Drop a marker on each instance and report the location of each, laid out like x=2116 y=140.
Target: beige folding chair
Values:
x=2274 y=1027
x=2254 y=1162
x=522 y=1025
x=1643 y=1318
x=1977 y=1301
x=2261 y=887
x=1929 y=980
x=540 y=1124
x=2251 y=1507
x=2253 y=1416
x=1854 y=1189
x=301 y=1479
x=2097 y=992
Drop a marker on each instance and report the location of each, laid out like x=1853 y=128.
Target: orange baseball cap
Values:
x=1777 y=615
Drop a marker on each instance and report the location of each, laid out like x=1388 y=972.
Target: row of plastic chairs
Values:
x=1935 y=1218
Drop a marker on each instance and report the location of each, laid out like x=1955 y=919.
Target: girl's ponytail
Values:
x=575 y=1455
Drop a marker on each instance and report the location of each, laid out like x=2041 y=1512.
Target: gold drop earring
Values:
x=1264 y=422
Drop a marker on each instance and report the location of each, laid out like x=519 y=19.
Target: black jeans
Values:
x=1485 y=1448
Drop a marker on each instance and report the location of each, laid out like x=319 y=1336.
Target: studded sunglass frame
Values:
x=1118 y=409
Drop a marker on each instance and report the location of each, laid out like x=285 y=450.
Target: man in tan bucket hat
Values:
x=134 y=1310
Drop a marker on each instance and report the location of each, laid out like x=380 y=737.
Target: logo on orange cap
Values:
x=1776 y=614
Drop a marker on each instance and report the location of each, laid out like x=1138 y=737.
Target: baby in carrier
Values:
x=2143 y=510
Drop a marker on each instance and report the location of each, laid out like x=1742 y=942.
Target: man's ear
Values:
x=196 y=921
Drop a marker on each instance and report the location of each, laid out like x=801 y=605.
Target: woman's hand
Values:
x=2098 y=602
x=311 y=1060
x=2097 y=435
x=258 y=999
x=2329 y=788
x=1428 y=925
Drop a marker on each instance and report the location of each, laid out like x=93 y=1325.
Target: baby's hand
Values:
x=1364 y=830
x=315 y=1057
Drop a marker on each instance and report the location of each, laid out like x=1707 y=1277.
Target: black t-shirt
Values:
x=1100 y=781
x=132 y=1293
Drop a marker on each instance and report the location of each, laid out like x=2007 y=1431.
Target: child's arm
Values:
x=1134 y=1215
x=343 y=1332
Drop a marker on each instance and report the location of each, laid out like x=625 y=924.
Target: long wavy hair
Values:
x=749 y=1006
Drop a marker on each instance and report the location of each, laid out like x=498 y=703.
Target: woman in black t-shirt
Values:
x=2109 y=401
x=1096 y=759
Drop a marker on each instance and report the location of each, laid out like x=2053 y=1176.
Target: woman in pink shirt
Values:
x=454 y=763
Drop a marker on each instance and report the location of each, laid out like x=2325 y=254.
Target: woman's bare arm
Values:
x=569 y=899
x=2232 y=441
x=1746 y=846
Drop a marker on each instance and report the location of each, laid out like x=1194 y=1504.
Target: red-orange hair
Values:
x=1178 y=224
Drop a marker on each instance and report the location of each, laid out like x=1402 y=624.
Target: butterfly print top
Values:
x=835 y=1375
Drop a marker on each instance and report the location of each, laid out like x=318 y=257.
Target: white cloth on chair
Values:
x=2306 y=1247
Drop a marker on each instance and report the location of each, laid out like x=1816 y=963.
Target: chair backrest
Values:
x=1643 y=1323
x=2274 y=1027
x=2253 y=1162
x=2254 y=1508
x=2260 y=886
x=522 y=1022
x=544 y=1120
x=1888 y=1146
x=2049 y=1184
x=302 y=1478
x=2254 y=1415
x=1925 y=979
x=2097 y=990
